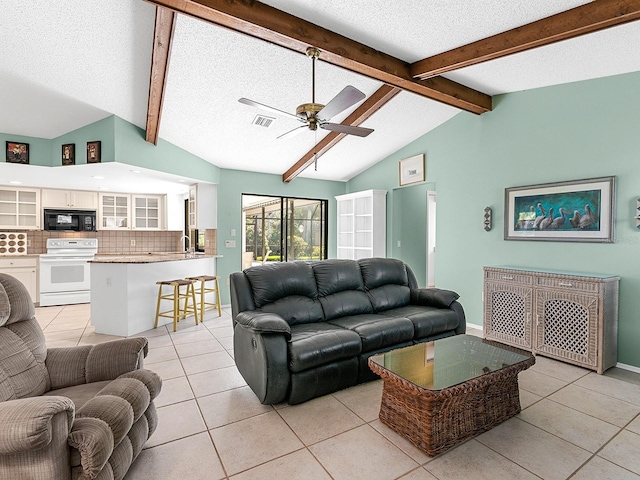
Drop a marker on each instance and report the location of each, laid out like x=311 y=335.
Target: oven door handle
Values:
x=64 y=260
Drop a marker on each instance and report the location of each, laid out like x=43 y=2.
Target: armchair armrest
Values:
x=260 y=322
x=93 y=440
x=93 y=363
x=27 y=423
x=433 y=297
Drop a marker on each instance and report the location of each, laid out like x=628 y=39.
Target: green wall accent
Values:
x=39 y=148
x=132 y=148
x=233 y=183
x=567 y=132
x=122 y=142
x=102 y=131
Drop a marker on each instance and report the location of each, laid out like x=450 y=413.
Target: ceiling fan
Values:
x=315 y=115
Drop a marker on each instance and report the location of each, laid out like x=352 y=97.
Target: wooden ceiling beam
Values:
x=588 y=18
x=162 y=36
x=370 y=106
x=270 y=24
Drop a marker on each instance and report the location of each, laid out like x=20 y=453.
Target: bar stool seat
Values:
x=176 y=295
x=203 y=290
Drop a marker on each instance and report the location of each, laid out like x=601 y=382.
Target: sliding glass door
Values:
x=283 y=229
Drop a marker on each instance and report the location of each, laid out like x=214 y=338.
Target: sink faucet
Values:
x=186 y=237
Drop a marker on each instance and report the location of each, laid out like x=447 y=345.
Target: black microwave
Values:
x=70 y=220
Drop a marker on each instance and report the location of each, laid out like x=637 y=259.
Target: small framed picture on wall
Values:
x=93 y=152
x=69 y=154
x=412 y=170
x=17 y=152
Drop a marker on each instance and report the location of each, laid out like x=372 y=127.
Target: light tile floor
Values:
x=574 y=424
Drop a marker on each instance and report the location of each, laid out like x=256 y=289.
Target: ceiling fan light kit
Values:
x=315 y=115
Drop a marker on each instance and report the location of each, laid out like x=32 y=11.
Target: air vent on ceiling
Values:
x=263 y=121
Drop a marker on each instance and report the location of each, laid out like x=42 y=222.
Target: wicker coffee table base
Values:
x=435 y=421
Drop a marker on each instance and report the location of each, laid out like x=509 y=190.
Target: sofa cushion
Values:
x=80 y=394
x=273 y=282
x=386 y=283
x=340 y=288
x=387 y=297
x=377 y=272
x=316 y=344
x=377 y=331
x=296 y=309
x=427 y=321
x=336 y=276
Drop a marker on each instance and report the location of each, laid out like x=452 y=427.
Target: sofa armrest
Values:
x=27 y=423
x=433 y=297
x=260 y=322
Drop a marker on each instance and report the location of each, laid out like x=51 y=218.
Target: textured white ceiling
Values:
x=68 y=63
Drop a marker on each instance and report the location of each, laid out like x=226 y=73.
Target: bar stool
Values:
x=175 y=296
x=203 y=290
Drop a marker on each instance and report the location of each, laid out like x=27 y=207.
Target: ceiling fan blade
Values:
x=252 y=103
x=292 y=133
x=346 y=98
x=347 y=129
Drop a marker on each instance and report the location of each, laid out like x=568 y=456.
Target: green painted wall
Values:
x=233 y=183
x=39 y=148
x=121 y=142
x=567 y=132
x=102 y=131
x=132 y=148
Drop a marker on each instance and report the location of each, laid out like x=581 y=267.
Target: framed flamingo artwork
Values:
x=573 y=211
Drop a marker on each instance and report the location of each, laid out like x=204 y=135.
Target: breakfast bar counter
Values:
x=124 y=291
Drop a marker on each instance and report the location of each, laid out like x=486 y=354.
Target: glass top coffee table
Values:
x=437 y=394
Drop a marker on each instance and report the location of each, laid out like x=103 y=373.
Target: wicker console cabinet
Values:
x=572 y=317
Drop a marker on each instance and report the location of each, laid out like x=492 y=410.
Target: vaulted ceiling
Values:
x=65 y=64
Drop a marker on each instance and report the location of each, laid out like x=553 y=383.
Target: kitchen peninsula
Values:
x=124 y=293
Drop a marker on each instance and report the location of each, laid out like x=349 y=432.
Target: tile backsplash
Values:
x=126 y=241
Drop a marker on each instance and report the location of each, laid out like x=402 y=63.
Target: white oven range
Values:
x=65 y=272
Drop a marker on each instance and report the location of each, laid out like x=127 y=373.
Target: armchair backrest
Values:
x=22 y=345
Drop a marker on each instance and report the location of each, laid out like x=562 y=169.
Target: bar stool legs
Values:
x=203 y=290
x=176 y=296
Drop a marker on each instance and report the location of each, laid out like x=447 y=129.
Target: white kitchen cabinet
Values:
x=24 y=269
x=20 y=208
x=76 y=199
x=114 y=212
x=148 y=212
x=203 y=211
x=572 y=317
x=362 y=224
x=123 y=211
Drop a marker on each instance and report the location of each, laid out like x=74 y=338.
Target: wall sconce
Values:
x=638 y=213
x=487 y=218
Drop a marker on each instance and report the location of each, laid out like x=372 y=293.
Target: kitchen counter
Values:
x=151 y=257
x=124 y=292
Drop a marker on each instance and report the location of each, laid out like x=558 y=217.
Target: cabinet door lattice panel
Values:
x=509 y=314
x=564 y=326
x=576 y=314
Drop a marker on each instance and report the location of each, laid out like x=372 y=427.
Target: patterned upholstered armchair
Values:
x=81 y=412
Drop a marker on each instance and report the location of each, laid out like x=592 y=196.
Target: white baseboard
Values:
x=631 y=368
x=473 y=325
